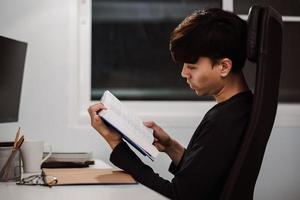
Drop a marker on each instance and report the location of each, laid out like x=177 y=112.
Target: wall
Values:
x=50 y=28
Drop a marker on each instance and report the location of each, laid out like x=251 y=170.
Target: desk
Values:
x=11 y=191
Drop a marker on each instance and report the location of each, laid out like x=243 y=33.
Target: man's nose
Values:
x=184 y=72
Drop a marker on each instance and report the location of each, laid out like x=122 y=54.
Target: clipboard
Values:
x=86 y=176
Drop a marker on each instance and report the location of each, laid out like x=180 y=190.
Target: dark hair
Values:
x=212 y=33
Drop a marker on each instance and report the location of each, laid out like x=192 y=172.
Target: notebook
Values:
x=86 y=176
x=129 y=125
x=70 y=156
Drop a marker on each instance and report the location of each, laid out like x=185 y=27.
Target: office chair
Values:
x=264 y=49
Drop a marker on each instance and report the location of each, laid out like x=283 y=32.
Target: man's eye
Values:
x=191 y=67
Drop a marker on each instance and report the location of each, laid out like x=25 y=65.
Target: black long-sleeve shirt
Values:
x=206 y=162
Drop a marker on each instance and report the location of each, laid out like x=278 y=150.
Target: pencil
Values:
x=17 y=137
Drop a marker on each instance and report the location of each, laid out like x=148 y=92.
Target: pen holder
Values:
x=10 y=162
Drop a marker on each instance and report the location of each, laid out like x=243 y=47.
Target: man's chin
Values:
x=200 y=93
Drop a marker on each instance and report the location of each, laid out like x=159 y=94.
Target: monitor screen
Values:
x=12 y=60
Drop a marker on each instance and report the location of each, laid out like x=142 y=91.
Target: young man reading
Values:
x=211 y=44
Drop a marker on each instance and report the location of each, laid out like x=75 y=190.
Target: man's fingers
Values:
x=149 y=124
x=97 y=118
x=158 y=146
x=155 y=140
x=94 y=109
x=153 y=125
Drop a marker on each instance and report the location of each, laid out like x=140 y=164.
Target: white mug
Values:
x=32 y=155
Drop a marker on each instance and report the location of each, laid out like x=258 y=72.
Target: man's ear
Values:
x=226 y=66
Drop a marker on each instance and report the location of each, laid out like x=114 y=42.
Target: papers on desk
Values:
x=86 y=176
x=98 y=174
x=70 y=156
x=68 y=160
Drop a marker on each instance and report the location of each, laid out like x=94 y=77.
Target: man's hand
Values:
x=164 y=143
x=111 y=136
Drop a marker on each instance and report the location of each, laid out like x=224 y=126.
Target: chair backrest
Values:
x=263 y=48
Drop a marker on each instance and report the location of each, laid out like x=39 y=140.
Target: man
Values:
x=211 y=44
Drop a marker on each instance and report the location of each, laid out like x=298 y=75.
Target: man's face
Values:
x=202 y=77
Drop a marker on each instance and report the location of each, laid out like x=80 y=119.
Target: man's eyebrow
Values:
x=191 y=65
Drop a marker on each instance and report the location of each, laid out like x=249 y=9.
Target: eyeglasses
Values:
x=38 y=180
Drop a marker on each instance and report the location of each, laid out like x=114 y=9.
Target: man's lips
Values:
x=191 y=86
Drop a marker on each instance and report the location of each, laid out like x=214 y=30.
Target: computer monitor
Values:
x=12 y=61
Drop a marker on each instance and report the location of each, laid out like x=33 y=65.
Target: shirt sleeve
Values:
x=123 y=157
x=200 y=174
x=189 y=181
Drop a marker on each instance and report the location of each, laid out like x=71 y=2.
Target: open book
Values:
x=128 y=125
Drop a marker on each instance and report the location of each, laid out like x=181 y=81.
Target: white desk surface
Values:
x=11 y=191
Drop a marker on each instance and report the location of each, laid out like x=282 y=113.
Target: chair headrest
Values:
x=253 y=27
x=258 y=15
